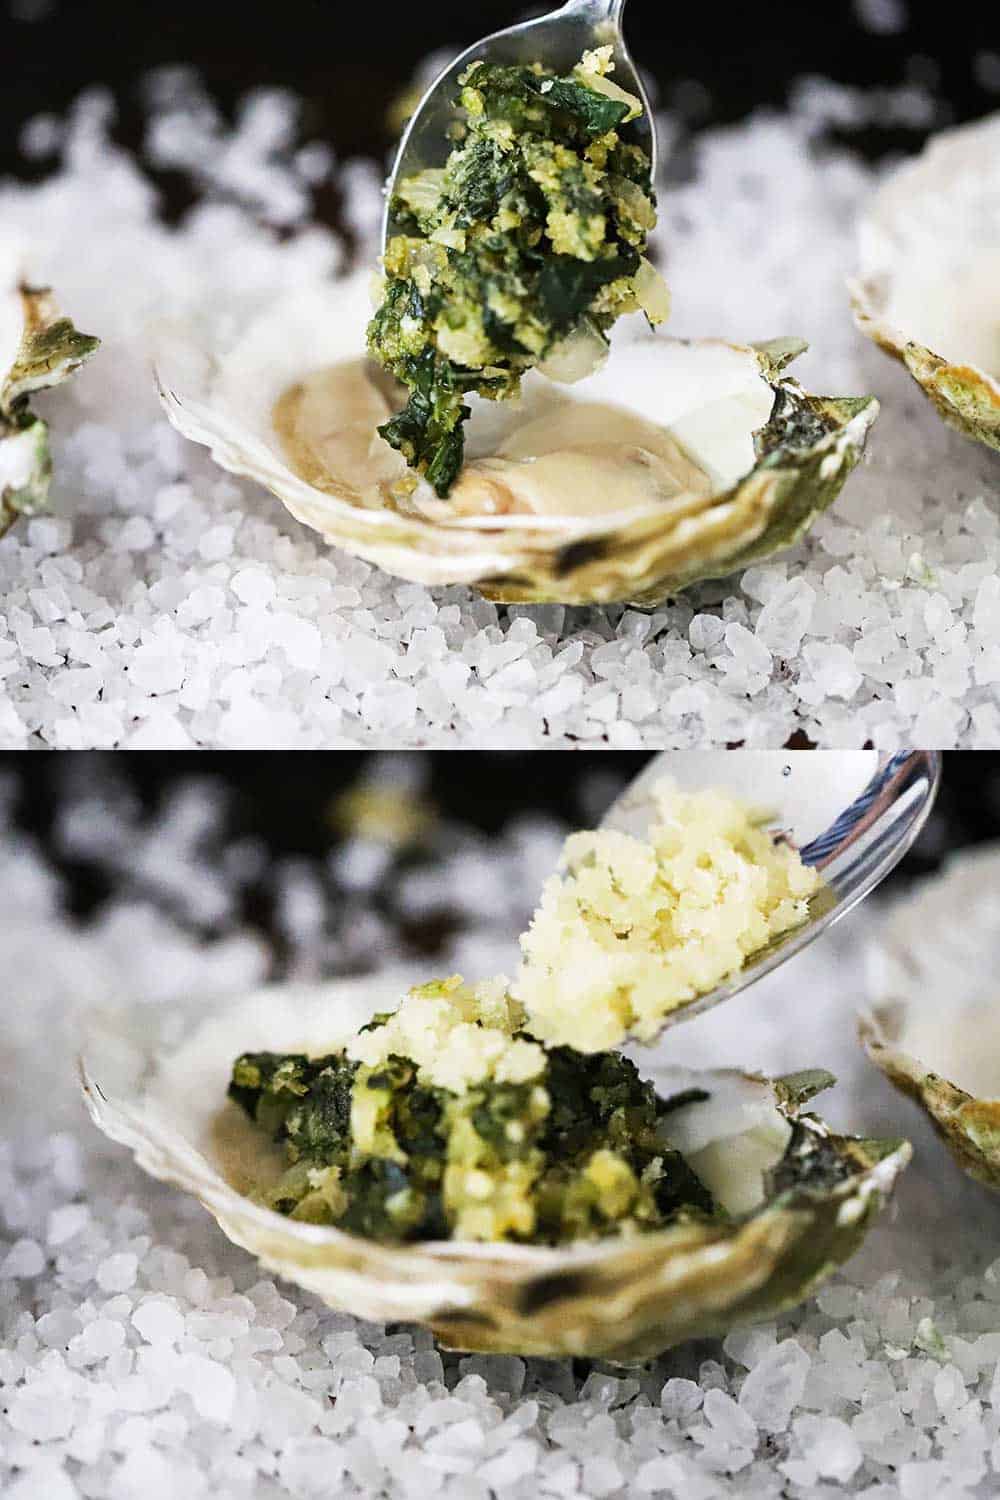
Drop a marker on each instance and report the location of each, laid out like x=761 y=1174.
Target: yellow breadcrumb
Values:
x=631 y=929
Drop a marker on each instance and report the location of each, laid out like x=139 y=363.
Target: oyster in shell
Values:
x=928 y=287
x=933 y=1020
x=799 y=1198
x=678 y=461
x=38 y=348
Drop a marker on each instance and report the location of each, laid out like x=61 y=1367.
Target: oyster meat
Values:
x=38 y=349
x=678 y=461
x=933 y=1020
x=928 y=285
x=796 y=1198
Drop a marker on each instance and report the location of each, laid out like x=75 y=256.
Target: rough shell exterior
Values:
x=957 y=176
x=966 y=398
x=48 y=351
x=939 y=950
x=969 y=1127
x=624 y=1301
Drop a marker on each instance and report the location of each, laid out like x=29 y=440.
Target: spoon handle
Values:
x=597 y=11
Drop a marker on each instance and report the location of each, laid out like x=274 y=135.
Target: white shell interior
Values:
x=709 y=396
x=930 y=247
x=936 y=974
x=731 y=1139
x=177 y=1095
x=18 y=459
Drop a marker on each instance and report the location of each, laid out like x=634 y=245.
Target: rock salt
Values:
x=176 y=575
x=774 y=1386
x=117 y=1273
x=159 y=1321
x=23 y=1260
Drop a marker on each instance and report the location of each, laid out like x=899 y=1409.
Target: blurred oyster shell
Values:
x=933 y=1019
x=928 y=286
x=38 y=348
x=746 y=459
x=155 y=1080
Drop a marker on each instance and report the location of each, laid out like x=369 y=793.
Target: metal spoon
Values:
x=557 y=40
x=851 y=814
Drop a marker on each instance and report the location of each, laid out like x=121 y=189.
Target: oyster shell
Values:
x=156 y=1082
x=38 y=348
x=933 y=1021
x=713 y=456
x=928 y=287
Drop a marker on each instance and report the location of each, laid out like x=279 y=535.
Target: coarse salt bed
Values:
x=167 y=605
x=202 y=1377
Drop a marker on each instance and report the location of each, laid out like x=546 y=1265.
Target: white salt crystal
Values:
x=211 y=1387
x=159 y=1320
x=661 y=1473
x=747 y=649
x=136 y=535
x=50 y=534
x=216 y=543
x=33 y=1412
x=99 y=1340
x=730 y=1422
x=831 y=1446
x=986 y=610
x=680 y=1398
x=145 y=1474
x=254 y=586
x=949 y=1389
x=746 y=1345
x=706 y=631
x=517 y=1460
x=23 y=1260
x=156 y=668
x=118 y=1272
x=774 y=1386
x=58 y=1327
x=601 y=1476
x=785 y=617
x=46 y=1480
x=299 y=639
x=311 y=1465
x=925 y=1481
x=833 y=669
x=938 y=723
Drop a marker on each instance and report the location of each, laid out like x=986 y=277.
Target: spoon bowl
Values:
x=852 y=815
x=558 y=40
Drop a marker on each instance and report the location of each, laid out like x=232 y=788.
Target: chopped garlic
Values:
x=633 y=929
x=458 y=1035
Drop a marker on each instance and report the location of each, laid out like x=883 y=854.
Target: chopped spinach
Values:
x=576 y=1152
x=536 y=225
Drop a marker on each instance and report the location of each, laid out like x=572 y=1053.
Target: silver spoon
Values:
x=851 y=814
x=557 y=40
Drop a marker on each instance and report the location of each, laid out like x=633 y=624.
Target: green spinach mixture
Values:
x=524 y=248
x=579 y=1151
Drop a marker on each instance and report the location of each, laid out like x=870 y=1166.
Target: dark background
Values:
x=349 y=61
x=282 y=803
